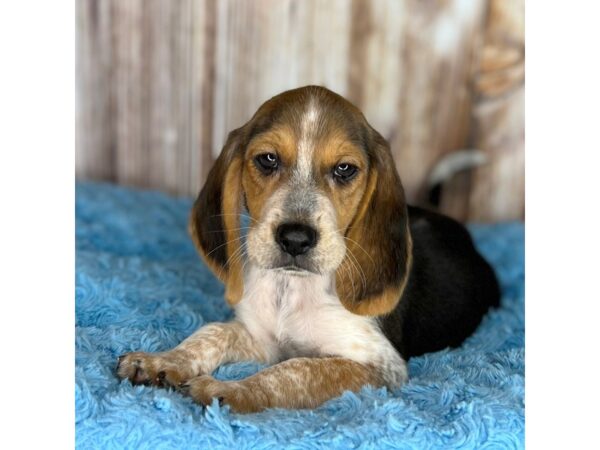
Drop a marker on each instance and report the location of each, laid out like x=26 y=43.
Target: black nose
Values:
x=295 y=238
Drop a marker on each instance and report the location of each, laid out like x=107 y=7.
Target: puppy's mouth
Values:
x=294 y=270
x=298 y=265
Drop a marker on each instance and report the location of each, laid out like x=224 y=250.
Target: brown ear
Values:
x=374 y=273
x=215 y=219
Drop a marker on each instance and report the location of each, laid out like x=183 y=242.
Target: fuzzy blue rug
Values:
x=141 y=286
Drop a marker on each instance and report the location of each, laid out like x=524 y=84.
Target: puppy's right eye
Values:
x=267 y=163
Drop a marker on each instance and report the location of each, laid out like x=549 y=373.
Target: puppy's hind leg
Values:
x=201 y=353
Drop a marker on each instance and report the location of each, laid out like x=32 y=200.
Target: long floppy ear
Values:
x=215 y=219
x=379 y=246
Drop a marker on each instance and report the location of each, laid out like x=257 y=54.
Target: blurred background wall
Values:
x=160 y=83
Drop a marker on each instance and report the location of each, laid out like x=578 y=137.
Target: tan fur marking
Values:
x=234 y=287
x=231 y=210
x=295 y=383
x=388 y=299
x=257 y=187
x=360 y=264
x=345 y=199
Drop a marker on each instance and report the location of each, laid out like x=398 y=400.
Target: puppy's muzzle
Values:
x=295 y=238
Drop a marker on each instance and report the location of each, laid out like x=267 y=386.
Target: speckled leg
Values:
x=295 y=383
x=201 y=353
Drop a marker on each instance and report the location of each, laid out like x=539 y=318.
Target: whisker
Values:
x=353 y=241
x=358 y=266
x=360 y=247
x=351 y=279
x=231 y=229
x=222 y=245
x=234 y=255
x=354 y=267
x=233 y=214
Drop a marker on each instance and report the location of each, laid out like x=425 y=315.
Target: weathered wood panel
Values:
x=496 y=190
x=438 y=57
x=498 y=127
x=161 y=83
x=266 y=47
x=94 y=128
x=159 y=71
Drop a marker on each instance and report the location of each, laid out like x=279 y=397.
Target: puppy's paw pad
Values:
x=137 y=367
x=150 y=369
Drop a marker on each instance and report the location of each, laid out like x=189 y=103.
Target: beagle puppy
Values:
x=335 y=281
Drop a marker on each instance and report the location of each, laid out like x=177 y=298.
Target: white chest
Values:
x=302 y=316
x=286 y=312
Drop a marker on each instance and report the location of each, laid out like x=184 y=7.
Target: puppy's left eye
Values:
x=344 y=172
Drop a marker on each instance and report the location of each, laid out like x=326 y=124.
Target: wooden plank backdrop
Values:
x=160 y=83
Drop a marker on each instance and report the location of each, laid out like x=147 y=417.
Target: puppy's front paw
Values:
x=150 y=370
x=241 y=400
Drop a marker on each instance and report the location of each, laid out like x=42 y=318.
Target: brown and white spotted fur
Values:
x=326 y=259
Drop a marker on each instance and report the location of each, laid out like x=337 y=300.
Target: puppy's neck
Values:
x=286 y=288
x=280 y=308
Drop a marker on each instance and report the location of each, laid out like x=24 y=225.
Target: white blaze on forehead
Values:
x=306 y=147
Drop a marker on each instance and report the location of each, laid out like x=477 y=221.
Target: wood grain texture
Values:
x=495 y=191
x=161 y=83
x=95 y=134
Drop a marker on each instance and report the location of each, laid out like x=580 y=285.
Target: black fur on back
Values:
x=450 y=288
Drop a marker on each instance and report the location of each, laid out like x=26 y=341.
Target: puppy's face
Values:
x=304 y=175
x=323 y=194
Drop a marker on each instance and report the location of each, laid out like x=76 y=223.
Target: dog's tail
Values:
x=447 y=167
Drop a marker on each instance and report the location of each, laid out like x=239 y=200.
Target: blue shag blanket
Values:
x=141 y=286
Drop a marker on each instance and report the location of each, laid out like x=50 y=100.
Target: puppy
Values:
x=336 y=282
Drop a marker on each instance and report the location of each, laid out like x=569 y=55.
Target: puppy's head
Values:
x=323 y=196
